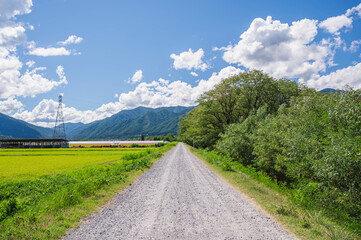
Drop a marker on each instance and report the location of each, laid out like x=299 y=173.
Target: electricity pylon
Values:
x=59 y=129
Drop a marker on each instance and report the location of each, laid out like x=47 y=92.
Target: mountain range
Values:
x=125 y=124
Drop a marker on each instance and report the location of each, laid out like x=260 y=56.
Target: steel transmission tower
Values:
x=59 y=129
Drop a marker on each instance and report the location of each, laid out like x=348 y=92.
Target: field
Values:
x=29 y=163
x=44 y=192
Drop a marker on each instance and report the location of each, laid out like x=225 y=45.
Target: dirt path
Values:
x=179 y=198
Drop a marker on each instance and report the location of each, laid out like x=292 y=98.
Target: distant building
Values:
x=34 y=143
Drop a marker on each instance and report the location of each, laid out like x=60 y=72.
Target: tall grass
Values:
x=295 y=209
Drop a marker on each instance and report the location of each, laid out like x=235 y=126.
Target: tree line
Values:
x=306 y=140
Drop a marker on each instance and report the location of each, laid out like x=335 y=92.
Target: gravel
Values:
x=179 y=198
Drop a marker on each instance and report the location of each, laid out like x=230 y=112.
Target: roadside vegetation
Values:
x=45 y=207
x=303 y=144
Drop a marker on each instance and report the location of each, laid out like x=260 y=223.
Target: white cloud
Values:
x=346 y=76
x=10 y=106
x=44 y=114
x=61 y=74
x=12 y=81
x=30 y=63
x=280 y=49
x=137 y=77
x=31 y=83
x=11 y=8
x=46 y=52
x=189 y=60
x=71 y=40
x=353 y=10
x=11 y=35
x=194 y=74
x=158 y=93
x=354 y=46
x=335 y=24
x=163 y=93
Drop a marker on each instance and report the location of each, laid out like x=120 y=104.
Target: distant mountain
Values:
x=135 y=122
x=69 y=128
x=327 y=90
x=15 y=128
x=122 y=125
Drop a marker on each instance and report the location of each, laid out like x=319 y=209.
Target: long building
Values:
x=34 y=143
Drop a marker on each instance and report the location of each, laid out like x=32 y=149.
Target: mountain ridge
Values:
x=125 y=124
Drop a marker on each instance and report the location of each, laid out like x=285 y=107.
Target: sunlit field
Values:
x=28 y=163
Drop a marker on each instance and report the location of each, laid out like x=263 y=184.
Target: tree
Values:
x=232 y=101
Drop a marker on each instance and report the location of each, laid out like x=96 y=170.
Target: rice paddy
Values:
x=19 y=164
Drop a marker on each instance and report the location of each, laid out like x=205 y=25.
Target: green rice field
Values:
x=44 y=192
x=16 y=164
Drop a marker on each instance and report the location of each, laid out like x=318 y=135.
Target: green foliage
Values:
x=233 y=100
x=309 y=142
x=237 y=142
x=8 y=207
x=160 y=144
x=170 y=138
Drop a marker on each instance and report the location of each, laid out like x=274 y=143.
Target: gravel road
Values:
x=179 y=198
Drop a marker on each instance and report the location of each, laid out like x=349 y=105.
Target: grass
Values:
x=16 y=164
x=46 y=207
x=277 y=200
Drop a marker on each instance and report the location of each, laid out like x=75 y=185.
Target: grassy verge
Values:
x=306 y=222
x=46 y=207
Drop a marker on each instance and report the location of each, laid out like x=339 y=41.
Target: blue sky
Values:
x=106 y=56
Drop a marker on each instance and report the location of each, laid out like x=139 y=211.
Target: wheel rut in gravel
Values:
x=179 y=198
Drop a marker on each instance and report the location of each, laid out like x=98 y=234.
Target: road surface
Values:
x=179 y=198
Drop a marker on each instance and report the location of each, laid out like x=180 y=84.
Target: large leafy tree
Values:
x=232 y=101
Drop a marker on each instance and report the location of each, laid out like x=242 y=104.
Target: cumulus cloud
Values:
x=10 y=106
x=280 y=49
x=137 y=77
x=44 y=114
x=11 y=34
x=163 y=93
x=31 y=83
x=346 y=76
x=189 y=60
x=11 y=8
x=335 y=24
x=158 y=93
x=14 y=80
x=51 y=51
x=71 y=40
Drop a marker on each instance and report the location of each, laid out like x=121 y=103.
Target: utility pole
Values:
x=59 y=129
x=193 y=143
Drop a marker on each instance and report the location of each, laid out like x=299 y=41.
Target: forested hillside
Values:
x=308 y=141
x=15 y=128
x=134 y=123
